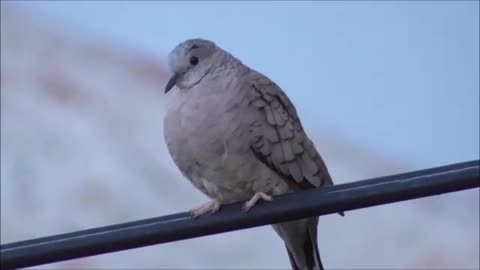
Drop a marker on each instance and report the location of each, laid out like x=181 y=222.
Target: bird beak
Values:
x=171 y=83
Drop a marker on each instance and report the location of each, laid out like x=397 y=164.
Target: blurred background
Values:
x=381 y=87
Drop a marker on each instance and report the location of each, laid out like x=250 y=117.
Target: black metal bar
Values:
x=292 y=206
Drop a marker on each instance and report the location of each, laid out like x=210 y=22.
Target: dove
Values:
x=237 y=137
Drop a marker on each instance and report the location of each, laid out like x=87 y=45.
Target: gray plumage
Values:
x=234 y=133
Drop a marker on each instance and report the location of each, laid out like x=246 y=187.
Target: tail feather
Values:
x=292 y=260
x=300 y=237
x=311 y=246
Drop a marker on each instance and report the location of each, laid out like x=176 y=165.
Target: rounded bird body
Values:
x=236 y=136
x=207 y=134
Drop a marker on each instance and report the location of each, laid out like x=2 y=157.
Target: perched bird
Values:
x=237 y=137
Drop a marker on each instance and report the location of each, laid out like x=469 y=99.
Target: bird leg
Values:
x=255 y=198
x=209 y=207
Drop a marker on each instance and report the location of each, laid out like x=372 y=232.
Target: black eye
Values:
x=194 y=60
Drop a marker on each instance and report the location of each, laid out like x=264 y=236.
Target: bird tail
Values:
x=300 y=237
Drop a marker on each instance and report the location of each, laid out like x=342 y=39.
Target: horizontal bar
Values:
x=315 y=202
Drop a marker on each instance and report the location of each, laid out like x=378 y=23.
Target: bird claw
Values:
x=255 y=198
x=210 y=207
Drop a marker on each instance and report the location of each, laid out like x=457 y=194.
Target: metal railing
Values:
x=315 y=202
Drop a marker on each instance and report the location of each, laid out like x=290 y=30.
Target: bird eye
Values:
x=194 y=60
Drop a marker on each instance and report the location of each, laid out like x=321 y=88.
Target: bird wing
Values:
x=278 y=138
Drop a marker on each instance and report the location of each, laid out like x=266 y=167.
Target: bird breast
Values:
x=205 y=134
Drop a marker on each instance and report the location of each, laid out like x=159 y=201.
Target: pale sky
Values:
x=400 y=77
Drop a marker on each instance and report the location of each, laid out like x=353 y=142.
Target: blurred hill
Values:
x=82 y=146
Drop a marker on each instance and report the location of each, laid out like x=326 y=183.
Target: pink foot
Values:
x=255 y=198
x=209 y=207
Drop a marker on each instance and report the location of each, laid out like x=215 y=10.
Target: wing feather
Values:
x=279 y=139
